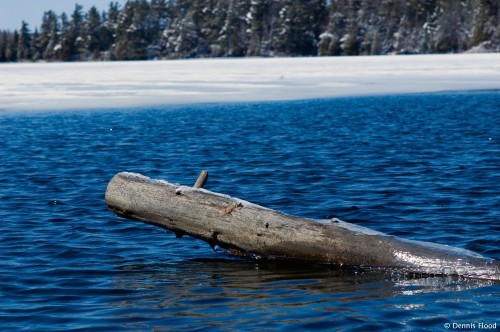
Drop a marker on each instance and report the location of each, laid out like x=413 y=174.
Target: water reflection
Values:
x=195 y=293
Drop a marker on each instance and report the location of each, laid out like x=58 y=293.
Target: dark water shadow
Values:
x=216 y=293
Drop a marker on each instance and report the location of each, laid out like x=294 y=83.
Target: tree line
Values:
x=168 y=29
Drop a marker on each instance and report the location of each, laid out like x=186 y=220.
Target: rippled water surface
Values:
x=423 y=167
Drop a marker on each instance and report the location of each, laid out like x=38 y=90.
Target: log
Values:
x=256 y=232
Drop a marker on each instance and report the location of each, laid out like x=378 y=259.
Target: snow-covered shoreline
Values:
x=87 y=85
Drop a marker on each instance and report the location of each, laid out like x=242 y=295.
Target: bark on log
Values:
x=253 y=231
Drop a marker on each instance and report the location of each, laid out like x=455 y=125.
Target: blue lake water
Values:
x=423 y=167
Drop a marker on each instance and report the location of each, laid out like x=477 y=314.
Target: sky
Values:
x=13 y=12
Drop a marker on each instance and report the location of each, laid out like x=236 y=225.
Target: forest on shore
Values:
x=171 y=29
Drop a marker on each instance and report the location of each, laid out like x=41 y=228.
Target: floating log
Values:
x=253 y=231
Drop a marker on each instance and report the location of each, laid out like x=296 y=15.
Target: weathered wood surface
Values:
x=250 y=230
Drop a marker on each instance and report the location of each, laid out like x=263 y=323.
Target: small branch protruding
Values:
x=202 y=179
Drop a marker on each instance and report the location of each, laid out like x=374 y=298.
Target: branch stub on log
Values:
x=202 y=179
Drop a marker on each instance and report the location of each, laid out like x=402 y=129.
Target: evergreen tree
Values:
x=24 y=43
x=77 y=42
x=288 y=21
x=482 y=20
x=11 y=47
x=108 y=31
x=64 y=50
x=157 y=29
x=71 y=44
x=331 y=40
x=123 y=30
x=49 y=35
x=300 y=24
x=182 y=35
x=232 y=37
x=4 y=37
x=130 y=31
x=188 y=36
x=350 y=41
x=447 y=22
x=158 y=21
x=36 y=53
x=91 y=34
x=262 y=19
x=213 y=18
x=255 y=19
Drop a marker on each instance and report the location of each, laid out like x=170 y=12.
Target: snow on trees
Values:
x=165 y=29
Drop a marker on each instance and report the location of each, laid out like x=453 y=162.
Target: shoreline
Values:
x=110 y=85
